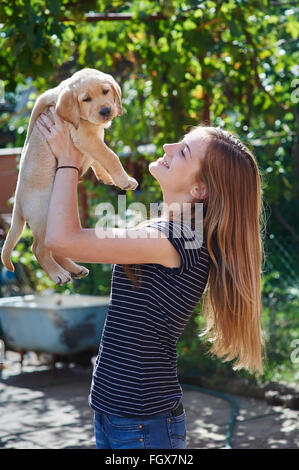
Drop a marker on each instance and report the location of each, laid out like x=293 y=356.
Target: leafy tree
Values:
x=232 y=64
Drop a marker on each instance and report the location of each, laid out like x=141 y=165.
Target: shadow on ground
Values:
x=42 y=410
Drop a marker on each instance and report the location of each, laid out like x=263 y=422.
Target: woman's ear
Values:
x=67 y=107
x=198 y=192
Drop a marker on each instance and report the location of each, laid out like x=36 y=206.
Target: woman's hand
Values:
x=59 y=139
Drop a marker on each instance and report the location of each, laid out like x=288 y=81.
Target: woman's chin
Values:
x=153 y=169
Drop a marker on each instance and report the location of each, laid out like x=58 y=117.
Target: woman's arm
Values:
x=116 y=245
x=66 y=237
x=63 y=214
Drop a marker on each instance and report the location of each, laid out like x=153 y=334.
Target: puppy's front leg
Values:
x=99 y=151
x=101 y=173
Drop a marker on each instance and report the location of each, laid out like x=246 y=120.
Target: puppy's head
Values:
x=93 y=96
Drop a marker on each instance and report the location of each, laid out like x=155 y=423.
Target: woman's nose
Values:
x=167 y=147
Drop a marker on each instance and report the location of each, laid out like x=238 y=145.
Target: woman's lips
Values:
x=162 y=162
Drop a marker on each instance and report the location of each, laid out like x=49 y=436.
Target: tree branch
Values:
x=94 y=17
x=254 y=62
x=281 y=4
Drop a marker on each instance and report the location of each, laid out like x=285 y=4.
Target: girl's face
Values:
x=176 y=171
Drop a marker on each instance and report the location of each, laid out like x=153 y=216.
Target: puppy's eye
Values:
x=105 y=92
x=87 y=99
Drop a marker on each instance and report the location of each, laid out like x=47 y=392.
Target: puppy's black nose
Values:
x=105 y=112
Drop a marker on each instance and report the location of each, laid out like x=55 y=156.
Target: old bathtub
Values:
x=55 y=324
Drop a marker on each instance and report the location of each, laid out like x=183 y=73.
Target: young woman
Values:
x=159 y=276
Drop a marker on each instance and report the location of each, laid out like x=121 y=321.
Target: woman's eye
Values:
x=105 y=92
x=87 y=99
x=182 y=152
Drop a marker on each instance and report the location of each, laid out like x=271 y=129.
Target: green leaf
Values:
x=292 y=27
x=198 y=13
x=188 y=25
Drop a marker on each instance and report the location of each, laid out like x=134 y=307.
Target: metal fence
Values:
x=282 y=257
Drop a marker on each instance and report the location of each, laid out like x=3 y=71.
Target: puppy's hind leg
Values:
x=36 y=209
x=55 y=272
x=75 y=269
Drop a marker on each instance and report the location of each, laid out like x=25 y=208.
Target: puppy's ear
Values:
x=117 y=94
x=67 y=107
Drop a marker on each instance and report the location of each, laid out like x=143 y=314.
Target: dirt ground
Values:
x=42 y=410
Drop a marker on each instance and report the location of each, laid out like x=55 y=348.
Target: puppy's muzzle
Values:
x=105 y=112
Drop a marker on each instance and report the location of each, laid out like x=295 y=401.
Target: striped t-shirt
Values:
x=135 y=372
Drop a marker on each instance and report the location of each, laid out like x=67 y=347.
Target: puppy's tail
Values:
x=12 y=238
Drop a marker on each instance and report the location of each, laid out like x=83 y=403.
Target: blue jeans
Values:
x=160 y=431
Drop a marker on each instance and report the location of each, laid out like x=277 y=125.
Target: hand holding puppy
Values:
x=59 y=139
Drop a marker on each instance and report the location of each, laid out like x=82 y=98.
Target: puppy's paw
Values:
x=132 y=184
x=82 y=273
x=61 y=277
x=109 y=183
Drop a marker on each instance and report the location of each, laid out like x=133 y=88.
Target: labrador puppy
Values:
x=88 y=100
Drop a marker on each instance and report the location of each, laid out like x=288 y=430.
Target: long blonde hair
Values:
x=233 y=227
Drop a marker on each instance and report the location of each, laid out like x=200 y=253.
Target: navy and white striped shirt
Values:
x=135 y=372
